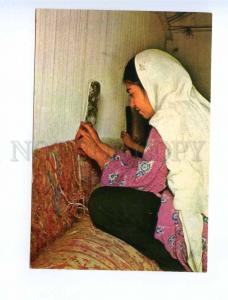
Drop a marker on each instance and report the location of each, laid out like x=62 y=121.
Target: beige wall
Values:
x=76 y=46
x=194 y=51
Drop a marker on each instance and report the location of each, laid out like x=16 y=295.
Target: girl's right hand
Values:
x=86 y=126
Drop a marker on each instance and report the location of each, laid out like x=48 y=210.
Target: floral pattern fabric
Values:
x=84 y=247
x=62 y=234
x=60 y=191
x=149 y=174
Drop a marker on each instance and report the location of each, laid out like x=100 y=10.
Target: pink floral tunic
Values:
x=149 y=174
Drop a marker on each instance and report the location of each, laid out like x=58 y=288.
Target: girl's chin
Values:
x=143 y=115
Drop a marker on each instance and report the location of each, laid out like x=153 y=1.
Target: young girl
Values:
x=157 y=203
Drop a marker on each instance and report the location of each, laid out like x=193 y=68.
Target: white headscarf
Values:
x=182 y=119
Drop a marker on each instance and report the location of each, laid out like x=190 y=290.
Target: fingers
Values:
x=89 y=127
x=83 y=143
x=78 y=134
x=81 y=127
x=88 y=146
x=91 y=130
x=86 y=140
x=81 y=133
x=86 y=124
x=123 y=133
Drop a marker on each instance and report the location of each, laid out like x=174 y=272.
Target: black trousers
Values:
x=131 y=215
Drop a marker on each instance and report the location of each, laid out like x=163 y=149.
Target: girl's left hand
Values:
x=127 y=140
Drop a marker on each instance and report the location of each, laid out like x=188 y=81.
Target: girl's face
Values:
x=139 y=100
